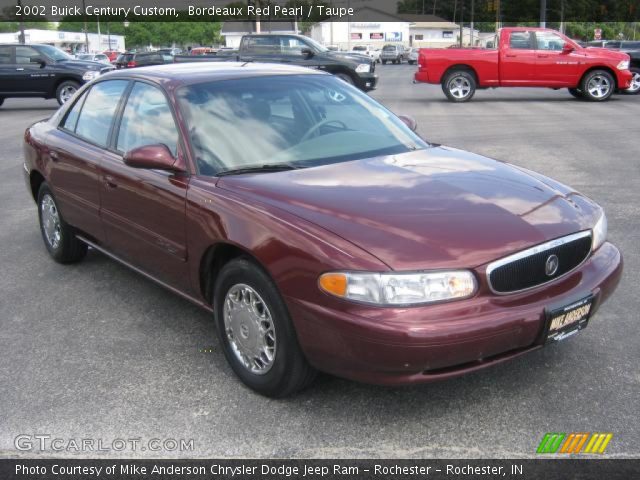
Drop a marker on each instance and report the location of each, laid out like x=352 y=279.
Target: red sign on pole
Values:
x=597 y=34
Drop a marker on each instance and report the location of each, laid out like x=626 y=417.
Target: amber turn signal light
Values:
x=334 y=283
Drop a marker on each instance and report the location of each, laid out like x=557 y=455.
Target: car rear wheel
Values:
x=59 y=238
x=634 y=89
x=411 y=62
x=598 y=86
x=256 y=332
x=1 y=101
x=576 y=92
x=66 y=90
x=384 y=62
x=459 y=86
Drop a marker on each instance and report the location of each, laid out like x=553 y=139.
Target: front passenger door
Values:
x=143 y=211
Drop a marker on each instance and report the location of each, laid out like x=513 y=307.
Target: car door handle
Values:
x=110 y=182
x=54 y=155
x=543 y=56
x=511 y=55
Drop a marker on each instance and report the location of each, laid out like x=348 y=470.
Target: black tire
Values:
x=411 y=62
x=66 y=90
x=597 y=85
x=289 y=371
x=61 y=242
x=345 y=77
x=576 y=92
x=384 y=62
x=635 y=85
x=459 y=86
x=1 y=101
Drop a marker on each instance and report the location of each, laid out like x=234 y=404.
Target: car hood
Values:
x=348 y=56
x=433 y=208
x=84 y=65
x=605 y=53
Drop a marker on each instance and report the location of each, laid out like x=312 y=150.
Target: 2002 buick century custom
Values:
x=320 y=230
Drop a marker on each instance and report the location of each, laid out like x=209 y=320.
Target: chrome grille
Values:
x=528 y=268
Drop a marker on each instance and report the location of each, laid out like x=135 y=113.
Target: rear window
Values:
x=389 y=48
x=631 y=45
x=125 y=57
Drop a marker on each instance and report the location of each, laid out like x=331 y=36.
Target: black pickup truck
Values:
x=354 y=68
x=43 y=71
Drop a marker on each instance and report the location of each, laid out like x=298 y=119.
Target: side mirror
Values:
x=566 y=48
x=307 y=52
x=153 y=157
x=409 y=122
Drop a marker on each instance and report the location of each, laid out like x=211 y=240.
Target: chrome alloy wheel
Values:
x=599 y=86
x=249 y=329
x=635 y=83
x=459 y=87
x=51 y=221
x=66 y=93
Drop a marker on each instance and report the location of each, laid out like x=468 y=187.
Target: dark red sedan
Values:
x=319 y=229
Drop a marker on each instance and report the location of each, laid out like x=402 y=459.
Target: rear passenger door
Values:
x=518 y=59
x=76 y=150
x=143 y=211
x=263 y=48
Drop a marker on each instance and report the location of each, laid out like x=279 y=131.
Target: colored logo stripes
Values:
x=574 y=443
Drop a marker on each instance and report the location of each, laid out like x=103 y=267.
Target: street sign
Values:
x=597 y=34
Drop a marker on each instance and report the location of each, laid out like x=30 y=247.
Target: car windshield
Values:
x=54 y=53
x=296 y=120
x=359 y=49
x=315 y=45
x=85 y=57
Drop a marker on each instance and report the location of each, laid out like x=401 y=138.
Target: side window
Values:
x=520 y=41
x=71 y=120
x=5 y=54
x=267 y=45
x=292 y=46
x=27 y=55
x=549 y=41
x=147 y=120
x=98 y=110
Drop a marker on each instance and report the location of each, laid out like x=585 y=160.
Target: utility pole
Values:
x=543 y=13
x=473 y=12
x=86 y=31
x=461 y=23
x=348 y=28
x=21 y=38
x=562 y=26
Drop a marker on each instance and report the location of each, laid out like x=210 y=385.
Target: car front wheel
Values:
x=59 y=238
x=634 y=89
x=66 y=90
x=459 y=86
x=256 y=332
x=598 y=86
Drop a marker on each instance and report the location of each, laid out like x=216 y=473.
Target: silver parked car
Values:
x=412 y=58
x=392 y=53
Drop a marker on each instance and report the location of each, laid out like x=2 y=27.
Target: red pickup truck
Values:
x=526 y=57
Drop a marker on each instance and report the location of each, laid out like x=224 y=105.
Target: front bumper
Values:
x=367 y=81
x=624 y=79
x=395 y=346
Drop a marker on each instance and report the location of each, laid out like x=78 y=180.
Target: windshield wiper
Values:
x=279 y=167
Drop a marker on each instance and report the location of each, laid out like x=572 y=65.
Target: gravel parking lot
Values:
x=96 y=351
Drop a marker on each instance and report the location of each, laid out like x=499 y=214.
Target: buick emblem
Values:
x=551 y=266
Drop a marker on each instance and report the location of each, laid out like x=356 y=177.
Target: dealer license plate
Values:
x=567 y=321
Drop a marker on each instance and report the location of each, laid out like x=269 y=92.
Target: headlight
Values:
x=363 y=68
x=399 y=288
x=599 y=232
x=623 y=65
x=90 y=75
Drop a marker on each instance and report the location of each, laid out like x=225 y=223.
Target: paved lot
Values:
x=95 y=351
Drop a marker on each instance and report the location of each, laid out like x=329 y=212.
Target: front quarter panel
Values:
x=293 y=251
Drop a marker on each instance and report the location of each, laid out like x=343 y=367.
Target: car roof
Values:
x=197 y=72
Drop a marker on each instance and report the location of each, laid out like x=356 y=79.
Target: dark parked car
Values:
x=143 y=59
x=43 y=71
x=316 y=226
x=354 y=68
